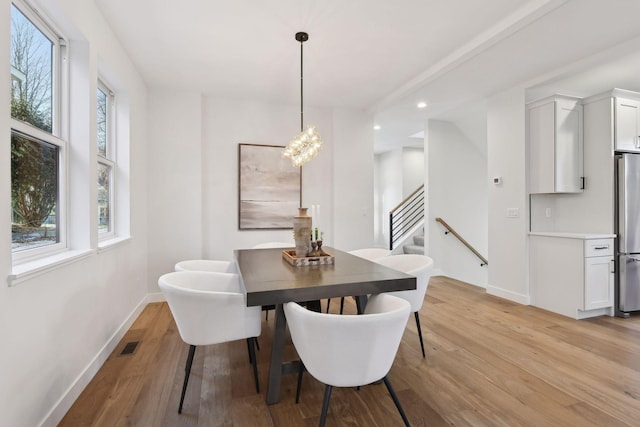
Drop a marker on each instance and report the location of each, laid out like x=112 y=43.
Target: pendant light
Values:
x=304 y=146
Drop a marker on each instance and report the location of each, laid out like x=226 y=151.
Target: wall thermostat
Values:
x=497 y=180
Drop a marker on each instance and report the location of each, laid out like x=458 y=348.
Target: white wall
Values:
x=398 y=173
x=412 y=169
x=226 y=123
x=175 y=181
x=57 y=328
x=389 y=178
x=353 y=179
x=507 y=255
x=196 y=161
x=457 y=182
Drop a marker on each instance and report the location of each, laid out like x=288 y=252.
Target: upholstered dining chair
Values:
x=211 y=265
x=420 y=266
x=209 y=308
x=371 y=254
x=349 y=350
x=268 y=245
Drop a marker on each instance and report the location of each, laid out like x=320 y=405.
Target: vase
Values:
x=302 y=232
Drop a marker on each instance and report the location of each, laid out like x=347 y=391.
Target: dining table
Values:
x=270 y=280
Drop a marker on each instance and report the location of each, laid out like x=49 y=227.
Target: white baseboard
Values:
x=59 y=410
x=511 y=296
x=155 y=297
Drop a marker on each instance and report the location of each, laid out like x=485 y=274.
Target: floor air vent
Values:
x=129 y=348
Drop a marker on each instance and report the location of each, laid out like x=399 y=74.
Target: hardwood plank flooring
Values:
x=490 y=362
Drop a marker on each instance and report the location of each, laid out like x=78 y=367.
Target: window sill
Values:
x=108 y=244
x=31 y=269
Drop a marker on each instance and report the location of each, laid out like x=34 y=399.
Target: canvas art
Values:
x=269 y=188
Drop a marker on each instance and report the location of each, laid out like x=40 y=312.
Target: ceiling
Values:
x=378 y=55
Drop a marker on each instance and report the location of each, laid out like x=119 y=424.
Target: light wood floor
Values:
x=490 y=362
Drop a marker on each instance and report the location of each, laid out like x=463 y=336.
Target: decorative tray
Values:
x=290 y=256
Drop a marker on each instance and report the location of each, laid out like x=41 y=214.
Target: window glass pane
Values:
x=102 y=123
x=34 y=192
x=104 y=198
x=31 y=72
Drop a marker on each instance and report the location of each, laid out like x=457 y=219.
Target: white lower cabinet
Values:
x=572 y=274
x=598 y=282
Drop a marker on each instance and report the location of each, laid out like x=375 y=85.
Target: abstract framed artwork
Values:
x=268 y=188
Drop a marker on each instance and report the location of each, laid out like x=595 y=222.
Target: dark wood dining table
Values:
x=269 y=279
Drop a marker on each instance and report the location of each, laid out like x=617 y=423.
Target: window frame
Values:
x=109 y=159
x=59 y=131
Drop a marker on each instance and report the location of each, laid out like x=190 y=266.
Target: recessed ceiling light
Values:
x=376 y=127
x=422 y=104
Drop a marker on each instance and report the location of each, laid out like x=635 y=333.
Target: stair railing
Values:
x=404 y=217
x=464 y=242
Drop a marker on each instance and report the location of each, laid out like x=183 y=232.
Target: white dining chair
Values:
x=211 y=265
x=270 y=245
x=209 y=308
x=349 y=350
x=416 y=265
x=370 y=254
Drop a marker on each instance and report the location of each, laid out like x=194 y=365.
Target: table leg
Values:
x=277 y=350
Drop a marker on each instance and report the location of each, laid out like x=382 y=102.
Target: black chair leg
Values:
x=341 y=305
x=394 y=396
x=251 y=342
x=325 y=405
x=328 y=304
x=420 y=333
x=187 y=372
x=299 y=388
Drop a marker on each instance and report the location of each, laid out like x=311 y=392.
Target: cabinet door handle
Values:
x=597 y=248
x=582 y=180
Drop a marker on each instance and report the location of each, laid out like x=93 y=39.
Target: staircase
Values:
x=416 y=246
x=406 y=218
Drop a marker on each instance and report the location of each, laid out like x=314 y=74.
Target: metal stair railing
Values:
x=405 y=216
x=464 y=242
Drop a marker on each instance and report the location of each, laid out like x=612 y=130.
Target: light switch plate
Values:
x=513 y=212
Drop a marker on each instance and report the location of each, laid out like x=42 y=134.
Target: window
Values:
x=106 y=163
x=37 y=148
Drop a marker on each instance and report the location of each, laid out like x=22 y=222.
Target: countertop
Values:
x=583 y=236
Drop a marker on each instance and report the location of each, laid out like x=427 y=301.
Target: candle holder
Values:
x=319 y=250
x=314 y=248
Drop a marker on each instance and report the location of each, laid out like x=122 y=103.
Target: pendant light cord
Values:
x=301 y=91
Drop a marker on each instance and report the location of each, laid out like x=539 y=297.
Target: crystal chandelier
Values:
x=304 y=146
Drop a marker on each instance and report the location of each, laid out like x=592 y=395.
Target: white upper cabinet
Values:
x=627 y=130
x=555 y=145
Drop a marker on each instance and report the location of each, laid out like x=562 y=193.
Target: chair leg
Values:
x=299 y=388
x=251 y=342
x=394 y=396
x=328 y=304
x=187 y=372
x=341 y=305
x=420 y=333
x=266 y=315
x=325 y=405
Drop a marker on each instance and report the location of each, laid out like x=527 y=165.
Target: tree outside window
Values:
x=34 y=161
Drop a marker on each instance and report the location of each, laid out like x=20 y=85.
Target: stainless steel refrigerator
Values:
x=628 y=231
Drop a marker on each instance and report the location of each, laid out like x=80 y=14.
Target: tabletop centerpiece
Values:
x=308 y=241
